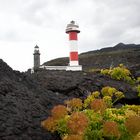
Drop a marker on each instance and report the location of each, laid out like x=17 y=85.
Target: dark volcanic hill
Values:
x=23 y=104
x=128 y=54
x=26 y=99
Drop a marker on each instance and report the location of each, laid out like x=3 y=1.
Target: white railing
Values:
x=54 y=67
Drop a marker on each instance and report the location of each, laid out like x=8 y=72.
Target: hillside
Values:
x=128 y=54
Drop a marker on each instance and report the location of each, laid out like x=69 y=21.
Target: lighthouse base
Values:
x=74 y=68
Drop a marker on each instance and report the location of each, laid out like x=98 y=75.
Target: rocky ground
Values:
x=23 y=104
x=26 y=99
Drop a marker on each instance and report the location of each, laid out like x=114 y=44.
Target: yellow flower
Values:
x=111 y=91
x=119 y=94
x=121 y=65
x=96 y=94
x=74 y=104
x=129 y=113
x=108 y=91
x=88 y=100
x=108 y=100
x=104 y=71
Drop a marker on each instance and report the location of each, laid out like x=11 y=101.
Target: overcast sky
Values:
x=25 y=23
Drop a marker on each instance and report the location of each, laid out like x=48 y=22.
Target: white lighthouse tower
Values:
x=73 y=29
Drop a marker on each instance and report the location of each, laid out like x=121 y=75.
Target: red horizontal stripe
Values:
x=73 y=56
x=72 y=35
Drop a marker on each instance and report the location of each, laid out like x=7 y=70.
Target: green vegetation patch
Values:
x=95 y=118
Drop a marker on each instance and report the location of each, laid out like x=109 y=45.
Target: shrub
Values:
x=91 y=98
x=77 y=123
x=96 y=119
x=50 y=124
x=110 y=129
x=74 y=104
x=108 y=91
x=119 y=94
x=112 y=114
x=134 y=108
x=119 y=73
x=93 y=134
x=130 y=113
x=98 y=105
x=59 y=111
x=133 y=124
x=105 y=71
x=94 y=129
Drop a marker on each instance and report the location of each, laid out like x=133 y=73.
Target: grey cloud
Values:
x=111 y=20
x=35 y=12
x=9 y=35
x=114 y=19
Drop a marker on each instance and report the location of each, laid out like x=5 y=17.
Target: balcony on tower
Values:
x=72 y=27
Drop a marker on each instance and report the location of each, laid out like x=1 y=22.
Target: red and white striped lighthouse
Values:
x=73 y=29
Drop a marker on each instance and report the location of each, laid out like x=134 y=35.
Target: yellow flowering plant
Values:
x=119 y=73
x=91 y=98
x=138 y=90
x=95 y=118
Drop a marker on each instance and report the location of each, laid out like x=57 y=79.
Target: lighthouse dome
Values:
x=72 y=26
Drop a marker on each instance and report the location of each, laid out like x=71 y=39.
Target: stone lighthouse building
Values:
x=36 y=58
